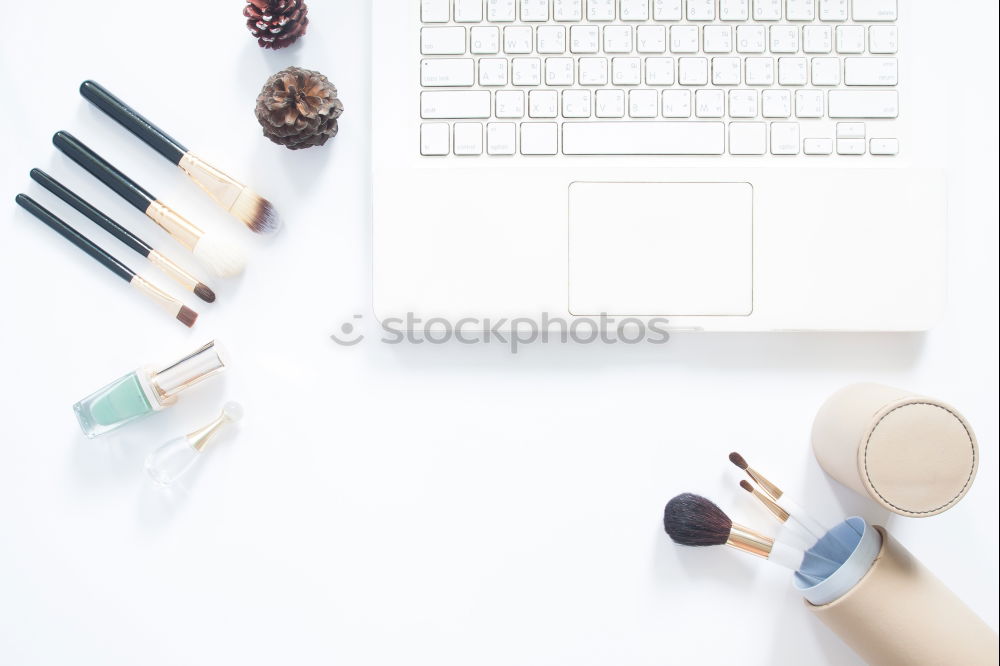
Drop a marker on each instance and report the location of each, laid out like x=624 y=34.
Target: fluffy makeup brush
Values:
x=182 y=313
x=217 y=253
x=785 y=503
x=175 y=272
x=692 y=520
x=254 y=211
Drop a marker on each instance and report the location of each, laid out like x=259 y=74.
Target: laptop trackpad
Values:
x=661 y=248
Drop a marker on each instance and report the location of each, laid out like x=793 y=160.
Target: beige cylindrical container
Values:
x=900 y=614
x=914 y=455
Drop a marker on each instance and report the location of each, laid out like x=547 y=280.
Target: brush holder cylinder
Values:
x=914 y=455
x=898 y=613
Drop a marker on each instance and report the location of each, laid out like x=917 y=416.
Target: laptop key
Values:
x=870 y=72
x=500 y=138
x=863 y=104
x=539 y=138
x=439 y=104
x=442 y=41
x=435 y=11
x=435 y=139
x=874 y=10
x=446 y=72
x=644 y=138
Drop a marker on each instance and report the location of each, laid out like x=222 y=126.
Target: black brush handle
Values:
x=101 y=169
x=133 y=121
x=96 y=216
x=76 y=238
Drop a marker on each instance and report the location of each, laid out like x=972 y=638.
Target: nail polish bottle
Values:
x=172 y=460
x=147 y=390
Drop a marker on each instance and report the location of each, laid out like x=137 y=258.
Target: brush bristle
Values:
x=204 y=293
x=221 y=255
x=692 y=520
x=187 y=316
x=738 y=460
x=256 y=212
x=745 y=485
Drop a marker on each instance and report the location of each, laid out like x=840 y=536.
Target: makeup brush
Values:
x=692 y=520
x=177 y=273
x=792 y=508
x=768 y=487
x=184 y=314
x=216 y=252
x=244 y=204
x=801 y=532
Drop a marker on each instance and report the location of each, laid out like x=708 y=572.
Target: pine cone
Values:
x=276 y=23
x=298 y=108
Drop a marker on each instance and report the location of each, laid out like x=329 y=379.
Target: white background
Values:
x=442 y=505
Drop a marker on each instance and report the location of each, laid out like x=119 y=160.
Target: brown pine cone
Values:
x=276 y=23
x=298 y=108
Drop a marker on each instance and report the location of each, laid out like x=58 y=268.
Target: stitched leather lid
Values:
x=919 y=458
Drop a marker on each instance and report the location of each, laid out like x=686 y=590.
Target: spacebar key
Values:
x=644 y=138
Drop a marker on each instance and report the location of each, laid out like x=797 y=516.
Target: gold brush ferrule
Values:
x=771 y=506
x=216 y=184
x=745 y=539
x=173 y=270
x=166 y=301
x=771 y=489
x=183 y=231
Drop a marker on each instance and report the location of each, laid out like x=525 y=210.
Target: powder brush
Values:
x=254 y=211
x=174 y=271
x=217 y=253
x=181 y=312
x=692 y=520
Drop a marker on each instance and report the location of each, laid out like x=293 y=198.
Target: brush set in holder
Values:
x=857 y=579
x=217 y=253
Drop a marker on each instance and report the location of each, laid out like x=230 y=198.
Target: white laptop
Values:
x=731 y=165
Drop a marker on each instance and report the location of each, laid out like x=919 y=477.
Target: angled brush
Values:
x=243 y=203
x=175 y=272
x=217 y=253
x=182 y=313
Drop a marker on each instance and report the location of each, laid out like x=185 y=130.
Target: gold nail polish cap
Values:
x=200 y=364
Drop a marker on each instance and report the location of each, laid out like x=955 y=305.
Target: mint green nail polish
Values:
x=140 y=393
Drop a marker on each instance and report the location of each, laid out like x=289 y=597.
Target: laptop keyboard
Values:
x=658 y=77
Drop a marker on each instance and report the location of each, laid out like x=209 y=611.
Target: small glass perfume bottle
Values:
x=145 y=391
x=169 y=462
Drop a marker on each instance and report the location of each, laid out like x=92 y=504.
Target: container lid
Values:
x=919 y=458
x=188 y=371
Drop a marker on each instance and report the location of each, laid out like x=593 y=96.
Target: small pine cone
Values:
x=276 y=23
x=298 y=108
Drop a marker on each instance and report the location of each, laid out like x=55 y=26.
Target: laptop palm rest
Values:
x=661 y=249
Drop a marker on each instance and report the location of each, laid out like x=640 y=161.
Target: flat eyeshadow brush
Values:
x=175 y=272
x=217 y=253
x=243 y=203
x=181 y=312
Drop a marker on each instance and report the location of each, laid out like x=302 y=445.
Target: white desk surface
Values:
x=385 y=505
